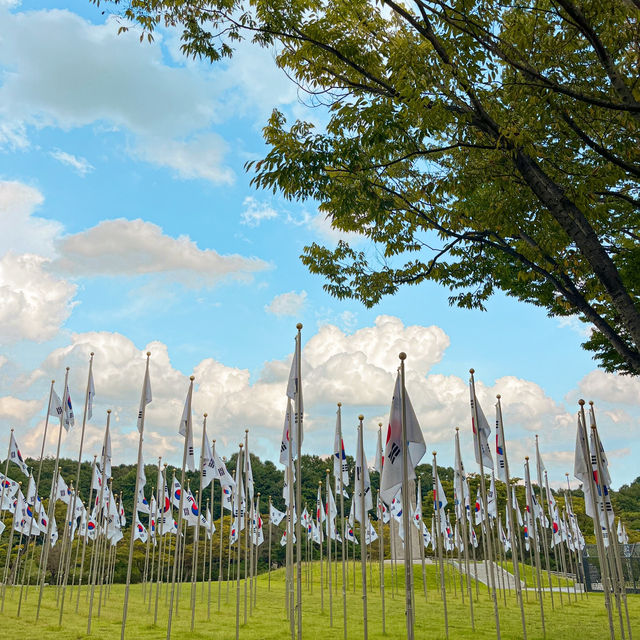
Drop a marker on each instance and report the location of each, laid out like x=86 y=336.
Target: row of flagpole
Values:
x=403 y=451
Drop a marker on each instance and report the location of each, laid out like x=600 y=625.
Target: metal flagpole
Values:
x=196 y=533
x=483 y=490
x=145 y=573
x=40 y=506
x=86 y=533
x=246 y=509
x=533 y=537
x=96 y=542
x=512 y=522
x=319 y=525
x=436 y=506
x=134 y=516
x=364 y=518
x=408 y=561
x=87 y=394
x=269 y=560
x=343 y=541
x=328 y=533
x=463 y=525
x=422 y=559
x=606 y=578
x=298 y=413
x=543 y=523
x=239 y=508
x=52 y=501
x=4 y=484
x=620 y=590
x=381 y=554
x=188 y=427
x=161 y=534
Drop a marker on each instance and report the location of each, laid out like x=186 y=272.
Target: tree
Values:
x=485 y=145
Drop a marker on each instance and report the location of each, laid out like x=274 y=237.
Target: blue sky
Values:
x=128 y=222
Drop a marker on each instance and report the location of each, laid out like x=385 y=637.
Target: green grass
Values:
x=268 y=621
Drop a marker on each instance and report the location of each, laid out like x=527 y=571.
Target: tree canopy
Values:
x=482 y=144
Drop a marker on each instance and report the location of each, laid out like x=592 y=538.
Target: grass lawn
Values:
x=531 y=578
x=268 y=620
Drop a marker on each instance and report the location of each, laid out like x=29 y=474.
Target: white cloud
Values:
x=320 y=224
x=255 y=212
x=287 y=304
x=80 y=165
x=135 y=247
x=17 y=410
x=610 y=387
x=201 y=156
x=23 y=232
x=34 y=304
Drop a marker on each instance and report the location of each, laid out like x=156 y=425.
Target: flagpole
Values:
x=533 y=536
x=196 y=534
x=613 y=542
x=52 y=501
x=299 y=480
x=269 y=568
x=328 y=533
x=463 y=525
x=422 y=559
x=381 y=554
x=582 y=426
x=436 y=506
x=184 y=461
x=343 y=541
x=542 y=524
x=6 y=470
x=41 y=506
x=511 y=513
x=408 y=562
x=239 y=509
x=75 y=494
x=96 y=542
x=483 y=490
x=160 y=534
x=290 y=526
x=9 y=550
x=147 y=585
x=364 y=516
x=319 y=525
x=221 y=536
x=134 y=515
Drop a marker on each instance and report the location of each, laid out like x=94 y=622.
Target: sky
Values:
x=128 y=224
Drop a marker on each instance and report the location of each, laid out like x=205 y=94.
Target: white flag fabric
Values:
x=377 y=465
x=90 y=396
x=31 y=491
x=67 y=410
x=145 y=398
x=500 y=448
x=105 y=459
x=370 y=532
x=320 y=513
x=462 y=498
x=540 y=468
x=176 y=490
x=339 y=456
x=143 y=503
x=602 y=481
x=249 y=472
x=55 y=405
x=62 y=490
x=383 y=511
x=481 y=431
x=140 y=532
x=220 y=472
x=186 y=430
x=582 y=467
x=227 y=493
x=623 y=537
x=294 y=391
x=10 y=488
x=479 y=511
x=16 y=457
x=417 y=514
x=392 y=467
x=492 y=499
x=288 y=437
x=516 y=506
x=96 y=483
x=208 y=464
x=362 y=482
x=276 y=516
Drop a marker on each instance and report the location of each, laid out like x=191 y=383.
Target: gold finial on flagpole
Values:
x=581 y=402
x=498 y=396
x=402 y=355
x=299 y=326
x=472 y=371
x=360 y=417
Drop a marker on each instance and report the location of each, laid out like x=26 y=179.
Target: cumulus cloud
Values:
x=287 y=304
x=255 y=212
x=22 y=231
x=34 y=303
x=136 y=247
x=610 y=387
x=80 y=165
x=16 y=410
